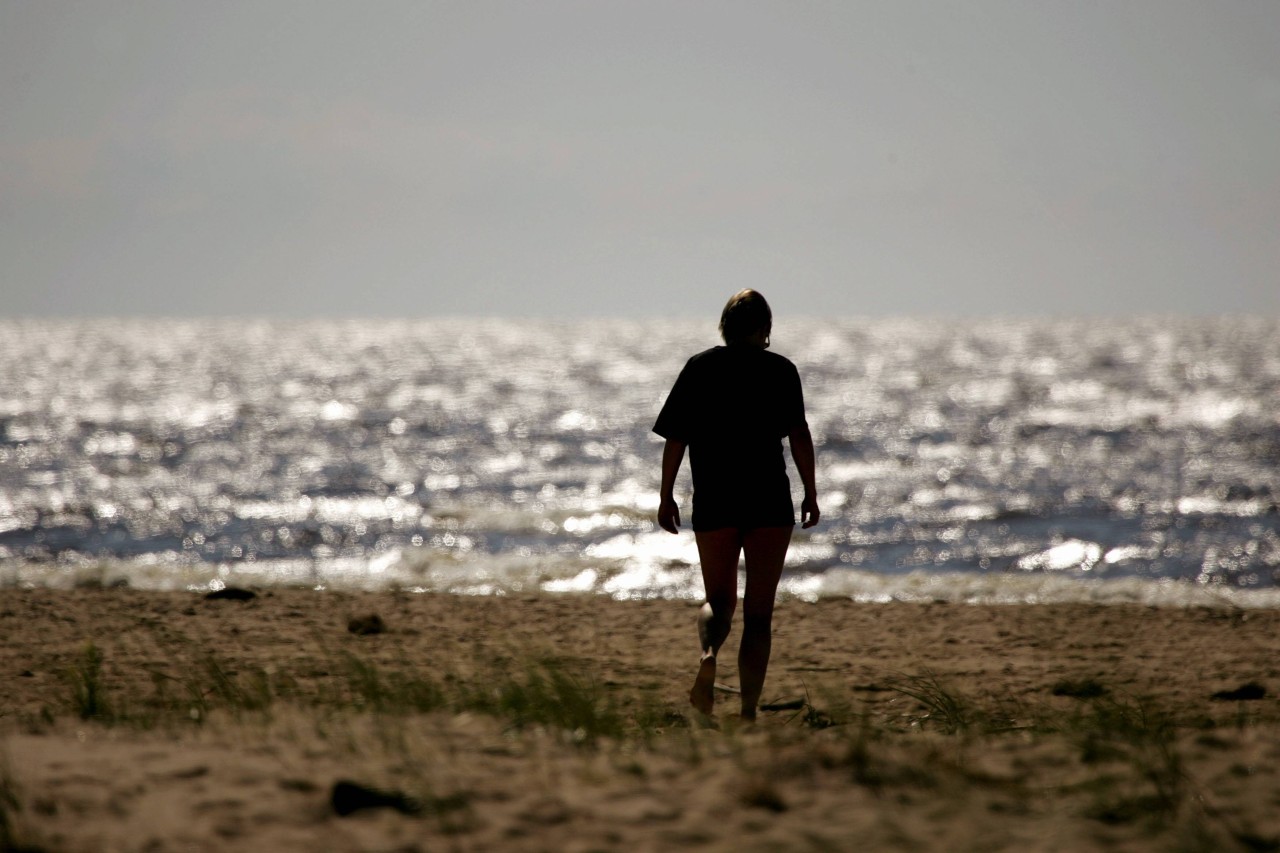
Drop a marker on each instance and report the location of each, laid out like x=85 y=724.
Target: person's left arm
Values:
x=802 y=452
x=801 y=441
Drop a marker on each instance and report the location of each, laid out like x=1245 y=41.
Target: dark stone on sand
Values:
x=1244 y=693
x=230 y=593
x=365 y=625
x=761 y=794
x=195 y=772
x=1086 y=688
x=349 y=797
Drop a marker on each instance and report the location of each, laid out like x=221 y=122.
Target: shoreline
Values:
x=221 y=725
x=352 y=576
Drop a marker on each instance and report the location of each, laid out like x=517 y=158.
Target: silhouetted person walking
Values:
x=731 y=407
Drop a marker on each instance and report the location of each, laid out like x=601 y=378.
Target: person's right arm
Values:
x=802 y=452
x=668 y=511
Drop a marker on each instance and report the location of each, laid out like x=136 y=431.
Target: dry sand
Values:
x=157 y=721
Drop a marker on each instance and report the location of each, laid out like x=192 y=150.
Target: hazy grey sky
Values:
x=639 y=158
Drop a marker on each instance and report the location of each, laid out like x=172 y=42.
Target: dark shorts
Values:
x=744 y=509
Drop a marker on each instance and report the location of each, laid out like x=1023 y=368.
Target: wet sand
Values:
x=163 y=721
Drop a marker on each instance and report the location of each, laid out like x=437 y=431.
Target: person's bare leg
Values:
x=703 y=693
x=718 y=552
x=765 y=549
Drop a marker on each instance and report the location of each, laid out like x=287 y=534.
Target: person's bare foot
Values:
x=702 y=695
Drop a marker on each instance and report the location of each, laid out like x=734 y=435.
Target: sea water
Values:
x=975 y=460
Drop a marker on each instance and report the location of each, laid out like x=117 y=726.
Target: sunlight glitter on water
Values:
x=504 y=455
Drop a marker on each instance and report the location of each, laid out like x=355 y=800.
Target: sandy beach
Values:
x=296 y=721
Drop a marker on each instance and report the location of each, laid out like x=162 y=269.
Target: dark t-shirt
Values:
x=732 y=405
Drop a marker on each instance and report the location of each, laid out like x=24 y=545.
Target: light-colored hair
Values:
x=744 y=314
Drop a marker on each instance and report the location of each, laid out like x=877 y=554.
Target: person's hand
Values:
x=669 y=515
x=809 y=512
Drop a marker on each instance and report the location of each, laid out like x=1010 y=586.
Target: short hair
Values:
x=744 y=314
